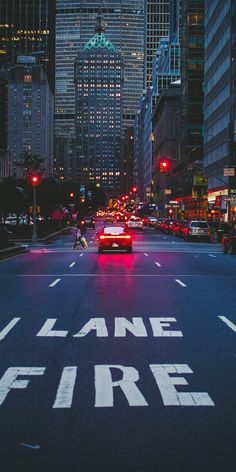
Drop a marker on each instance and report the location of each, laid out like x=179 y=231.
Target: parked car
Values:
x=229 y=243
x=196 y=229
x=114 y=238
x=135 y=222
x=177 y=229
x=152 y=220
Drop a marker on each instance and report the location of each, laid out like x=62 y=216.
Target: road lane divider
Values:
x=81 y=254
x=157 y=263
x=180 y=283
x=54 y=283
x=145 y=254
x=211 y=255
x=72 y=264
x=228 y=322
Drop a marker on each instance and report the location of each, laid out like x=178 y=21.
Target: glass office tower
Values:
x=27 y=28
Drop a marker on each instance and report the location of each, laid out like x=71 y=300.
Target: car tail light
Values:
x=119 y=236
x=82 y=222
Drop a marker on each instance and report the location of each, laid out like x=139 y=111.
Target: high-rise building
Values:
x=27 y=27
x=98 y=110
x=220 y=97
x=30 y=114
x=75 y=19
x=192 y=77
x=156 y=26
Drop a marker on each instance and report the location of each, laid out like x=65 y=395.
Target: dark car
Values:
x=114 y=238
x=229 y=243
x=88 y=222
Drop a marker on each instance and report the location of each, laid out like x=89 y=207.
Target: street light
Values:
x=34 y=179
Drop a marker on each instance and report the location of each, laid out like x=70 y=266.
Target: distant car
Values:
x=114 y=238
x=108 y=217
x=229 y=243
x=152 y=221
x=135 y=222
x=196 y=229
x=88 y=222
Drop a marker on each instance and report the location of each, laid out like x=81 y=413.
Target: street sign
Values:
x=229 y=171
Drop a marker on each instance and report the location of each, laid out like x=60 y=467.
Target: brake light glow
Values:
x=120 y=236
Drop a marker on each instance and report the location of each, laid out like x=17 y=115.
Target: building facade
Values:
x=98 y=106
x=30 y=115
x=27 y=27
x=220 y=101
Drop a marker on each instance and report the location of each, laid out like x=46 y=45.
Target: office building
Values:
x=30 y=114
x=98 y=110
x=220 y=101
x=27 y=27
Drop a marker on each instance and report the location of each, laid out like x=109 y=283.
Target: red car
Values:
x=114 y=238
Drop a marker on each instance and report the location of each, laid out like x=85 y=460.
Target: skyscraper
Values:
x=220 y=97
x=156 y=26
x=99 y=82
x=75 y=19
x=27 y=28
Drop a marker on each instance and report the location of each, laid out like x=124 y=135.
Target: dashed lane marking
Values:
x=180 y=283
x=72 y=264
x=158 y=265
x=211 y=255
x=228 y=322
x=81 y=254
x=54 y=283
x=145 y=254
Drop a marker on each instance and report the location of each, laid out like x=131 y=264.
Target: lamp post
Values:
x=34 y=181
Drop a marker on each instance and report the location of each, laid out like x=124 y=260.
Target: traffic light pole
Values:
x=34 y=235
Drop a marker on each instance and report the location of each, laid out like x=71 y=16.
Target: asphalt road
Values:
x=118 y=362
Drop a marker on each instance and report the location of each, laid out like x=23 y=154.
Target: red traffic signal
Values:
x=72 y=194
x=34 y=179
x=134 y=189
x=164 y=165
x=82 y=199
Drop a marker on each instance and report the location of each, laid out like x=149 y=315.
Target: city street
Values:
x=118 y=362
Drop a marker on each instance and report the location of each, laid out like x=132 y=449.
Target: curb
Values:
x=45 y=239
x=12 y=251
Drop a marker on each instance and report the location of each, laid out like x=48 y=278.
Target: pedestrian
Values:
x=79 y=236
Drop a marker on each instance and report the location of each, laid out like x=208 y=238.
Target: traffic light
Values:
x=34 y=179
x=72 y=194
x=82 y=199
x=164 y=165
x=134 y=189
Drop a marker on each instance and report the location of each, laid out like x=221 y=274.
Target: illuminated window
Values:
x=27 y=78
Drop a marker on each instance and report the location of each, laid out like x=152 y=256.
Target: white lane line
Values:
x=8 y=328
x=173 y=242
x=72 y=264
x=91 y=241
x=180 y=283
x=158 y=265
x=228 y=322
x=211 y=255
x=81 y=254
x=145 y=254
x=54 y=283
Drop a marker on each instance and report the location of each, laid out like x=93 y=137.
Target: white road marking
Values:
x=31 y=446
x=211 y=255
x=180 y=283
x=158 y=265
x=54 y=283
x=72 y=264
x=91 y=241
x=145 y=254
x=81 y=254
x=65 y=390
x=228 y=322
x=173 y=242
x=8 y=328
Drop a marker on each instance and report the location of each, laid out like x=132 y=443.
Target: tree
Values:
x=31 y=162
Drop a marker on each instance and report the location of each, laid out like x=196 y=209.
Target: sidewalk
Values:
x=15 y=250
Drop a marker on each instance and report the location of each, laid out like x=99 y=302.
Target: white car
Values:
x=135 y=223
